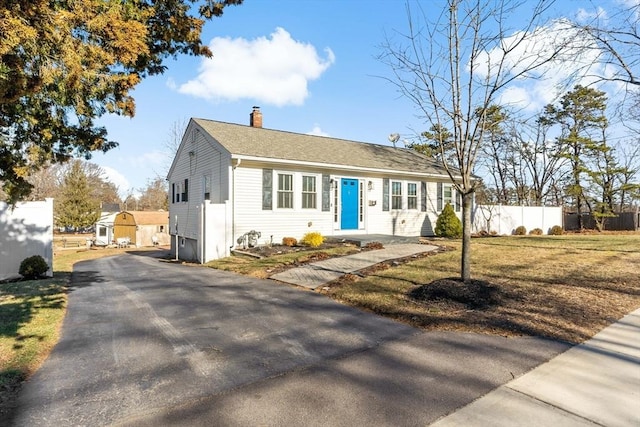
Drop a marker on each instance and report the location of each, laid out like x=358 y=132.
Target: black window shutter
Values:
x=185 y=194
x=173 y=192
x=423 y=196
x=267 y=189
x=326 y=193
x=385 y=194
x=440 y=206
x=458 y=201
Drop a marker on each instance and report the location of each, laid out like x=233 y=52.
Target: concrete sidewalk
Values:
x=319 y=273
x=594 y=383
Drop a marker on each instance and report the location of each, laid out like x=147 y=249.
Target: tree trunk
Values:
x=465 y=267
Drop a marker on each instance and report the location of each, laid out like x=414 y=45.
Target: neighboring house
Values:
x=227 y=180
x=26 y=230
x=142 y=228
x=104 y=226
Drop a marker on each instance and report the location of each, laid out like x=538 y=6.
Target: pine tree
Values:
x=76 y=207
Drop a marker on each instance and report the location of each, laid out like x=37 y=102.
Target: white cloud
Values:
x=272 y=70
x=542 y=84
x=317 y=131
x=583 y=15
x=112 y=175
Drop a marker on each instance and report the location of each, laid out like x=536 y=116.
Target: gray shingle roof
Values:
x=241 y=140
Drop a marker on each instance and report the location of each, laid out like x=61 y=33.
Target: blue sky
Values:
x=309 y=64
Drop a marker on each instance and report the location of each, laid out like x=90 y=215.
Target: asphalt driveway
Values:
x=147 y=342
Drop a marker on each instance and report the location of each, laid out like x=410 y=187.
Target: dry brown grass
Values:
x=562 y=287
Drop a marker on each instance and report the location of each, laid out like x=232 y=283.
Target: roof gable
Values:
x=241 y=140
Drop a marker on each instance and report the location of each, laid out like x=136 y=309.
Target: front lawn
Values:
x=561 y=287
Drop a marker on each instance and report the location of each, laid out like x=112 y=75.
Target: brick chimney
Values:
x=255 y=118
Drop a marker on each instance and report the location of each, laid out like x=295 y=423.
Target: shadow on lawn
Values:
x=30 y=296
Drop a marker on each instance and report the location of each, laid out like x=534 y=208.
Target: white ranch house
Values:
x=229 y=179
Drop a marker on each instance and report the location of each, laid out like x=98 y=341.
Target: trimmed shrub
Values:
x=289 y=241
x=448 y=224
x=536 y=232
x=33 y=267
x=313 y=239
x=521 y=230
x=556 y=230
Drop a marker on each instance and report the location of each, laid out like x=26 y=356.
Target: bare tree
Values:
x=154 y=196
x=455 y=68
x=615 y=38
x=629 y=179
x=174 y=138
x=540 y=158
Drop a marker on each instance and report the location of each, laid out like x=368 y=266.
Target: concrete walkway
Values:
x=594 y=383
x=319 y=273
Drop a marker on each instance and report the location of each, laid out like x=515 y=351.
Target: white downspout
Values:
x=233 y=201
x=202 y=236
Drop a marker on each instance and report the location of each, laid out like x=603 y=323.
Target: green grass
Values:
x=31 y=313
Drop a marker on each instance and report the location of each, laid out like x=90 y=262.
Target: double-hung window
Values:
x=285 y=191
x=309 y=193
x=412 y=195
x=448 y=194
x=396 y=195
x=206 y=184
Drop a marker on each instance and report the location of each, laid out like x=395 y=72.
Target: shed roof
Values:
x=149 y=217
x=241 y=140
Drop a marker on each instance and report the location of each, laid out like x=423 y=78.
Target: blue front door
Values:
x=349 y=203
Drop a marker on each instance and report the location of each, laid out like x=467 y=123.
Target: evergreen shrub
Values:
x=520 y=230
x=536 y=232
x=33 y=267
x=448 y=224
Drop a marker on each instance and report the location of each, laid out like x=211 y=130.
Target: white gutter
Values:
x=336 y=166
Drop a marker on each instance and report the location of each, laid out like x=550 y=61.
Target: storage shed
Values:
x=143 y=228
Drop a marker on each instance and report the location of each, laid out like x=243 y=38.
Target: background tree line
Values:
x=80 y=189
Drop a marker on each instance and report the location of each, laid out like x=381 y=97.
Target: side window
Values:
x=396 y=195
x=206 y=185
x=185 y=192
x=285 y=191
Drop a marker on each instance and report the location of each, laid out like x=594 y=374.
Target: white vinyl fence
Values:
x=505 y=219
x=25 y=231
